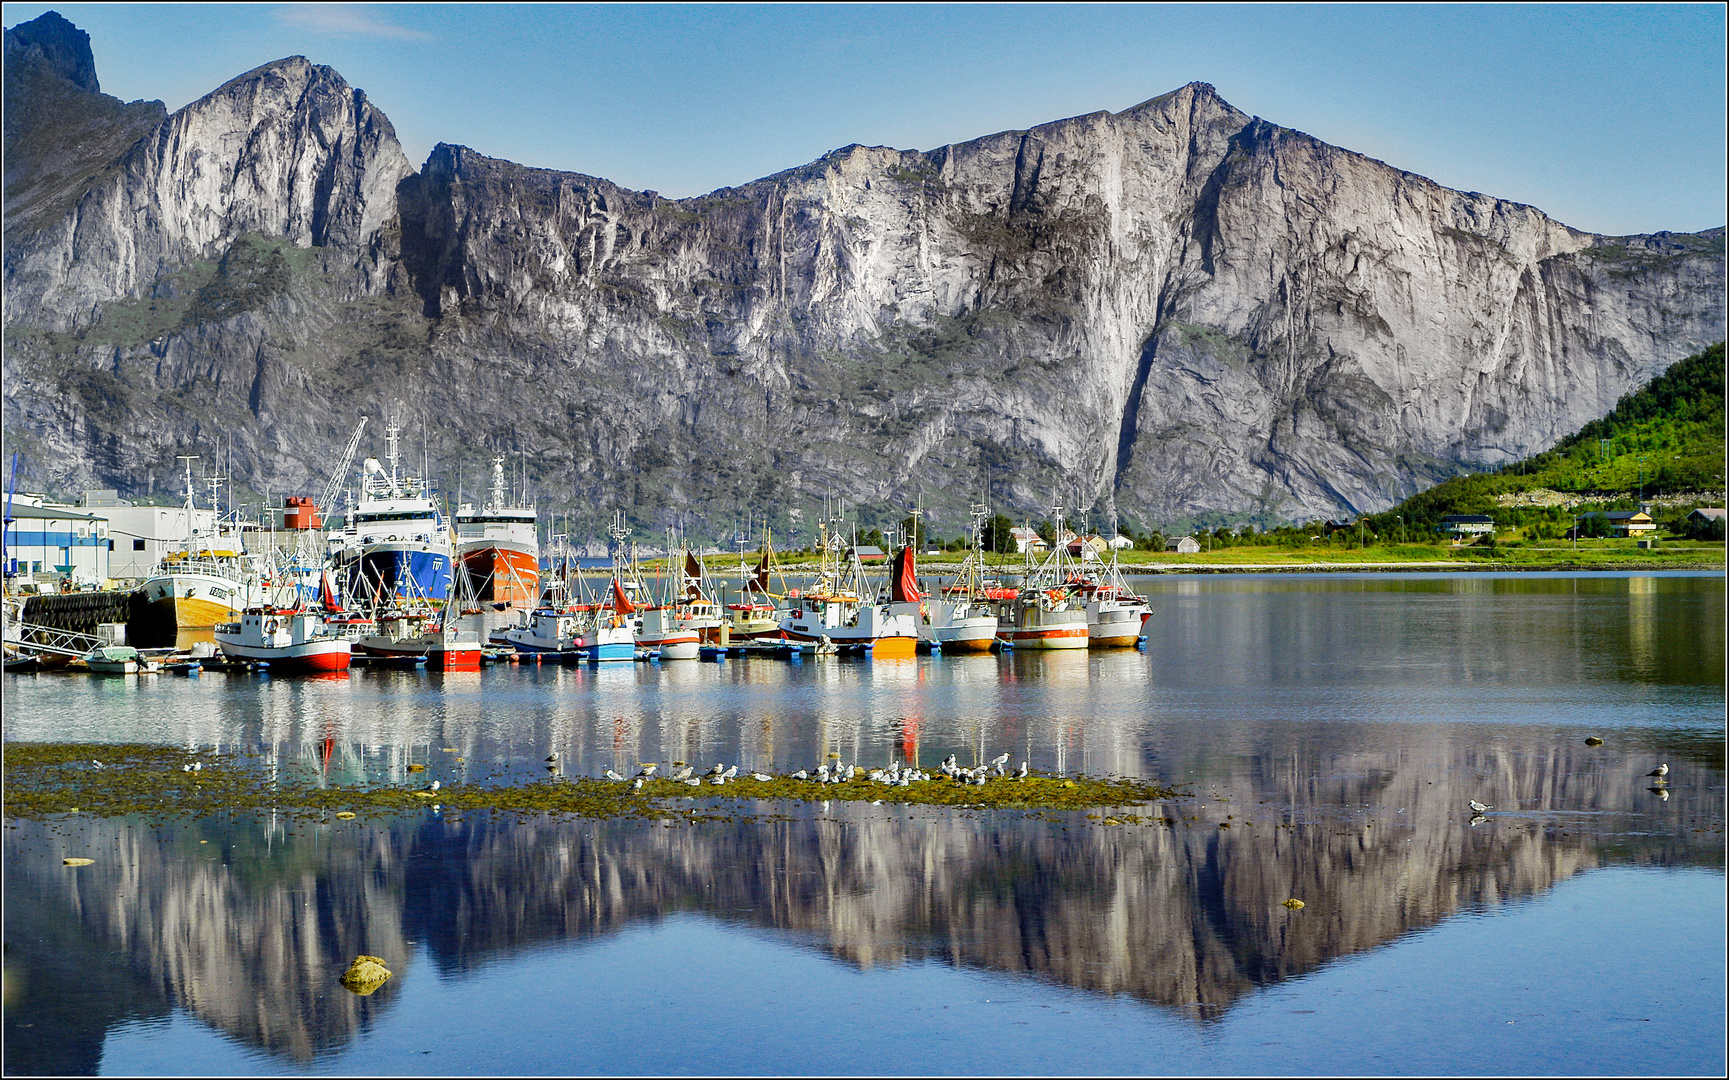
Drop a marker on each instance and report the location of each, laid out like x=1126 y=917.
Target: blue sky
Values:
x=1609 y=118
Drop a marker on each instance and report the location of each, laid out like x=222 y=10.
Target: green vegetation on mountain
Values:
x=1666 y=438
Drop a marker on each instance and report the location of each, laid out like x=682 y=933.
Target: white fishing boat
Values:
x=961 y=616
x=292 y=641
x=610 y=633
x=1045 y=614
x=837 y=608
x=1116 y=614
x=546 y=629
x=661 y=625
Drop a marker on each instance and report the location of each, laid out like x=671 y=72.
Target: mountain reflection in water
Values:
x=250 y=931
x=1337 y=726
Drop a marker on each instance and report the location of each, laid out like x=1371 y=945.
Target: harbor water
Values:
x=1328 y=732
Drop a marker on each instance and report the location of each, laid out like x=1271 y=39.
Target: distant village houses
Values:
x=1463 y=526
x=1028 y=540
x=1183 y=545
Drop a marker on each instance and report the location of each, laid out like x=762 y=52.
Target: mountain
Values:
x=1175 y=311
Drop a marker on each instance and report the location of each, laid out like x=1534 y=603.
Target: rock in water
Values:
x=1294 y=904
x=365 y=975
x=77 y=862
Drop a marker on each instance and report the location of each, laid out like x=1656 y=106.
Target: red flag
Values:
x=329 y=592
x=904 y=587
x=692 y=577
x=620 y=602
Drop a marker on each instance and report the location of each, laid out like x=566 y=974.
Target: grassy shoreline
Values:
x=1591 y=555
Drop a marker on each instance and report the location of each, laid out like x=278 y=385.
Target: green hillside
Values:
x=1668 y=435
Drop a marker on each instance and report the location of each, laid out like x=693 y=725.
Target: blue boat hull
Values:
x=399 y=573
x=617 y=650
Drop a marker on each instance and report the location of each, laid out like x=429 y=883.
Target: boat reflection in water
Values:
x=1184 y=915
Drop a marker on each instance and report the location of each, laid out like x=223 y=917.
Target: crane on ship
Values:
x=327 y=501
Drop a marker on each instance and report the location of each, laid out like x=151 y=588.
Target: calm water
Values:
x=1330 y=728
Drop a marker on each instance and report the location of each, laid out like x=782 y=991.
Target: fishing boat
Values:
x=756 y=614
x=497 y=548
x=659 y=625
x=1116 y=614
x=1044 y=614
x=837 y=608
x=120 y=660
x=204 y=582
x=545 y=629
x=394 y=543
x=609 y=631
x=961 y=616
x=292 y=641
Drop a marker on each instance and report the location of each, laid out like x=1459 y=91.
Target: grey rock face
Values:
x=1176 y=310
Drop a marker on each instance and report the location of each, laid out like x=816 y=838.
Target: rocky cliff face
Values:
x=1173 y=311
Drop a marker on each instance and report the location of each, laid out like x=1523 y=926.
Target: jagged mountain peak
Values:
x=62 y=46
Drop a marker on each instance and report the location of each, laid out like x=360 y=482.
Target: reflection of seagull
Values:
x=1661 y=772
x=552 y=757
x=610 y=775
x=1477 y=819
x=1660 y=792
x=1478 y=807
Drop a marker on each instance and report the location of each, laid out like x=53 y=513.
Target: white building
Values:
x=49 y=543
x=143 y=534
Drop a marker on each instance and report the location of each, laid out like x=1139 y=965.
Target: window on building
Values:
x=137 y=545
x=110 y=545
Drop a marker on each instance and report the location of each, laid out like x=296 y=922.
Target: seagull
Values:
x=648 y=770
x=98 y=764
x=684 y=773
x=1477 y=807
x=732 y=771
x=1022 y=775
x=694 y=782
x=638 y=784
x=198 y=766
x=717 y=770
x=981 y=780
x=822 y=771
x=1660 y=772
x=721 y=779
x=999 y=761
x=801 y=775
x=432 y=786
x=610 y=775
x=760 y=776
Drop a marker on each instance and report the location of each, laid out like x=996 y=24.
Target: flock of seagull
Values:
x=896 y=775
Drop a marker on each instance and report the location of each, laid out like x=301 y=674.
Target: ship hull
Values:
x=400 y=571
x=500 y=573
x=309 y=657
